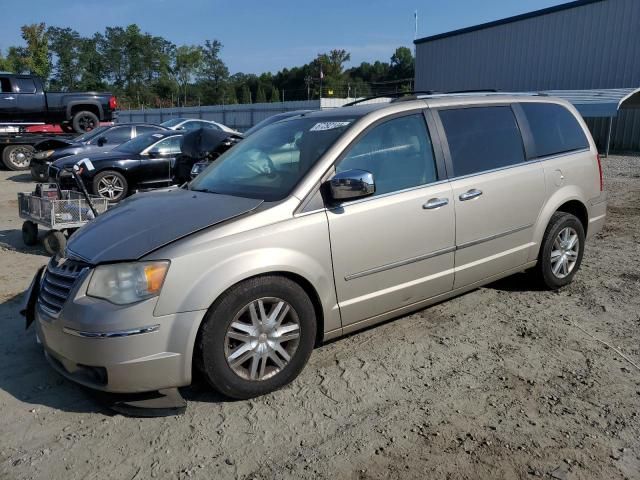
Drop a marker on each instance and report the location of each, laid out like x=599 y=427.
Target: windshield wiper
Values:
x=204 y=190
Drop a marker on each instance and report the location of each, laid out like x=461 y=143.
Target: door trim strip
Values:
x=419 y=258
x=400 y=263
x=492 y=237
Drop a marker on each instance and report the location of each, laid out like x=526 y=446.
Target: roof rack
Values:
x=479 y=90
x=395 y=95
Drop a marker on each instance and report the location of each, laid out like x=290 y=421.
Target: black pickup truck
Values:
x=24 y=101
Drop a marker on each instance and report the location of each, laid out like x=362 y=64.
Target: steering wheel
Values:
x=269 y=169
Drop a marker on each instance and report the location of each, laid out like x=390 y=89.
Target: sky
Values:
x=268 y=35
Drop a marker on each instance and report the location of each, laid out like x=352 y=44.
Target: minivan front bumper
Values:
x=116 y=349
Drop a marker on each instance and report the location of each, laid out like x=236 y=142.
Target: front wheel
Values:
x=110 y=185
x=257 y=337
x=561 y=251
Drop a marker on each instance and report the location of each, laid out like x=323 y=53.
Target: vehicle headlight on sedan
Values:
x=125 y=283
x=44 y=154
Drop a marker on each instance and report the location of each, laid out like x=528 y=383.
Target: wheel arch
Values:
x=570 y=200
x=303 y=282
x=79 y=106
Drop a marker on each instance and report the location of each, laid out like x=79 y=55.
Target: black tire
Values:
x=30 y=233
x=54 y=241
x=39 y=176
x=110 y=177
x=17 y=157
x=84 y=121
x=544 y=269
x=211 y=345
x=67 y=127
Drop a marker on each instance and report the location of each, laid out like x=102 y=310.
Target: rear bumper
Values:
x=597 y=216
x=121 y=350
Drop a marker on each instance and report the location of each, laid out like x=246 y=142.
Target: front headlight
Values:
x=43 y=154
x=125 y=283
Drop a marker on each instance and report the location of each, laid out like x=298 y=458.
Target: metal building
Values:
x=585 y=44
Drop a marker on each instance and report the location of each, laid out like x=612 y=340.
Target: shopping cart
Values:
x=62 y=211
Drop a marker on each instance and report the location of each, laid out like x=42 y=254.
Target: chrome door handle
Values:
x=471 y=194
x=435 y=203
x=9 y=98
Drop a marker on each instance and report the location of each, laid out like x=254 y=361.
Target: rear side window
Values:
x=554 y=129
x=25 y=85
x=482 y=138
x=117 y=135
x=142 y=129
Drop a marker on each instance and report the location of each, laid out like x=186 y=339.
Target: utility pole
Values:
x=308 y=81
x=415 y=32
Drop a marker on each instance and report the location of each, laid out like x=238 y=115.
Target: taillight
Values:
x=113 y=103
x=600 y=171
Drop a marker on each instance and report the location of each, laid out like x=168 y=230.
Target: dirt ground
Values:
x=504 y=382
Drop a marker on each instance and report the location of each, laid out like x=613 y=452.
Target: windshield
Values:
x=138 y=144
x=172 y=123
x=85 y=137
x=271 y=162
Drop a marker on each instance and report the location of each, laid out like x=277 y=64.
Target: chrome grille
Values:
x=57 y=282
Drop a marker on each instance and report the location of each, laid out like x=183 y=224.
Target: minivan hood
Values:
x=147 y=221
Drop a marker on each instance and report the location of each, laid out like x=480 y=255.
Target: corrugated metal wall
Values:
x=596 y=45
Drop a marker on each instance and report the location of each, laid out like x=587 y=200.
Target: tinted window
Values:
x=25 y=85
x=482 y=138
x=142 y=129
x=397 y=152
x=116 y=136
x=167 y=146
x=196 y=125
x=5 y=85
x=554 y=129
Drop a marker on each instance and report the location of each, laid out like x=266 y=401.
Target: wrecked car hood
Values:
x=147 y=221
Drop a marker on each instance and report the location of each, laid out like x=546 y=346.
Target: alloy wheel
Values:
x=564 y=253
x=262 y=338
x=110 y=187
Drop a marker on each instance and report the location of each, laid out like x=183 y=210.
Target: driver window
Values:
x=168 y=146
x=398 y=153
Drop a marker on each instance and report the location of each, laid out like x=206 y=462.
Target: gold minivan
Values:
x=316 y=226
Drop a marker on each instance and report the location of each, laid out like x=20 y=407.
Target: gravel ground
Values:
x=504 y=382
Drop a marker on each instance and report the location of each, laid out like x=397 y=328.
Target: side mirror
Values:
x=101 y=141
x=351 y=184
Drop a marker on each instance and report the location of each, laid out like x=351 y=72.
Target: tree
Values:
x=246 y=94
x=64 y=44
x=188 y=62
x=36 y=53
x=402 y=64
x=213 y=73
x=260 y=96
x=275 y=95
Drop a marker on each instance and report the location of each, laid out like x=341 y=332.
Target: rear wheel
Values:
x=54 y=241
x=84 y=121
x=17 y=157
x=257 y=337
x=561 y=251
x=110 y=185
x=30 y=233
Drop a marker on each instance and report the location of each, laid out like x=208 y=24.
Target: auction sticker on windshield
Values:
x=319 y=127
